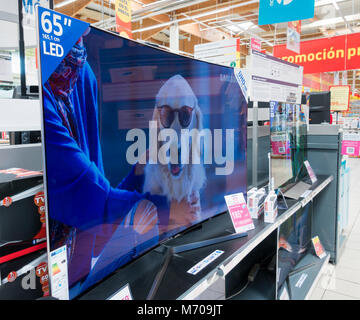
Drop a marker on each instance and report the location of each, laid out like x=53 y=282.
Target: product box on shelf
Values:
x=25 y=278
x=250 y=194
x=22 y=213
x=270 y=208
x=256 y=203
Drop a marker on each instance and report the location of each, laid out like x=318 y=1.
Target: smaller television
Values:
x=319 y=107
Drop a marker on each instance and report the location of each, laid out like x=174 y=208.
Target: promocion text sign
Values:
x=325 y=55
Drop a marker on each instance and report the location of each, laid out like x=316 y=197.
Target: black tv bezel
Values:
x=177 y=234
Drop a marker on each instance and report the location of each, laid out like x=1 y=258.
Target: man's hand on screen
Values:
x=186 y=212
x=146 y=217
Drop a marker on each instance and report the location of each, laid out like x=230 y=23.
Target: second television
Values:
x=140 y=144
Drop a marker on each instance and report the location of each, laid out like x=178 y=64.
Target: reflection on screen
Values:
x=140 y=145
x=288 y=135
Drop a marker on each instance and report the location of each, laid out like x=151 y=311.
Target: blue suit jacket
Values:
x=79 y=195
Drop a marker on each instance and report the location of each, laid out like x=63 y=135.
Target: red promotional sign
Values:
x=296 y=25
x=325 y=55
x=123 y=18
x=256 y=44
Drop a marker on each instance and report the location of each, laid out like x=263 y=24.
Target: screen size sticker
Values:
x=205 y=262
x=57 y=35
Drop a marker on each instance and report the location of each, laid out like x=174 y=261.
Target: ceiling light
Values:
x=245 y=25
x=336 y=5
x=326 y=22
x=319 y=3
x=233 y=28
x=197 y=16
x=64 y=3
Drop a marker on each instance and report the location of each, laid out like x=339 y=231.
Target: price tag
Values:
x=319 y=249
x=239 y=212
x=205 y=262
x=310 y=171
x=123 y=294
x=308 y=196
x=284 y=295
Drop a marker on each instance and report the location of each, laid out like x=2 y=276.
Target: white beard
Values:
x=159 y=181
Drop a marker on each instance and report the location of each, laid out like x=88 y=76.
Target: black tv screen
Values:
x=319 y=103
x=139 y=144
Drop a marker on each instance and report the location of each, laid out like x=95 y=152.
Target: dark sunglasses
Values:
x=167 y=115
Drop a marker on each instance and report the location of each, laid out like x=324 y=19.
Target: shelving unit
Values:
x=301 y=284
x=238 y=253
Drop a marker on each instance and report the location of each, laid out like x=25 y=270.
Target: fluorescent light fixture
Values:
x=326 y=22
x=320 y=3
x=336 y=5
x=242 y=26
x=197 y=16
x=64 y=3
x=233 y=28
x=245 y=25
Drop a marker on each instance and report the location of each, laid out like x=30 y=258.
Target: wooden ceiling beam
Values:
x=190 y=26
x=209 y=5
x=240 y=10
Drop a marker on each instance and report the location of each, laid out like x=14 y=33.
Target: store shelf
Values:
x=26 y=156
x=303 y=282
x=184 y=286
x=20 y=115
x=262 y=288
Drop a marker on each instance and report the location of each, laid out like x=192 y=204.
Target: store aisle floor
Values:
x=342 y=281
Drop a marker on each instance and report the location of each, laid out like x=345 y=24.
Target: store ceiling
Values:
x=210 y=20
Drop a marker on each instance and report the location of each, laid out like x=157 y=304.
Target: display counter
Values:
x=177 y=283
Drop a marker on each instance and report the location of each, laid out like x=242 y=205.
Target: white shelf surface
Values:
x=20 y=115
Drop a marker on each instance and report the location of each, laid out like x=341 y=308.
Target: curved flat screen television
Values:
x=139 y=145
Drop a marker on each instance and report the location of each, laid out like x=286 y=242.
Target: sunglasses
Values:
x=167 y=115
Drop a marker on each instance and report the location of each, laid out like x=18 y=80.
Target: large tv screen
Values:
x=139 y=144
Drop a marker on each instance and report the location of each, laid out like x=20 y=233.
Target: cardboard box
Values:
x=270 y=208
x=22 y=213
x=256 y=203
x=25 y=278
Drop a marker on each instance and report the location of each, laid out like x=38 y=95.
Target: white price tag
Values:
x=310 y=171
x=301 y=280
x=308 y=196
x=123 y=294
x=284 y=295
x=205 y=262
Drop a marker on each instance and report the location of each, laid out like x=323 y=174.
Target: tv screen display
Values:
x=139 y=144
x=288 y=131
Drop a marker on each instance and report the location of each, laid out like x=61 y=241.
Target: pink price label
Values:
x=255 y=44
x=240 y=215
x=280 y=147
x=350 y=148
x=239 y=212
